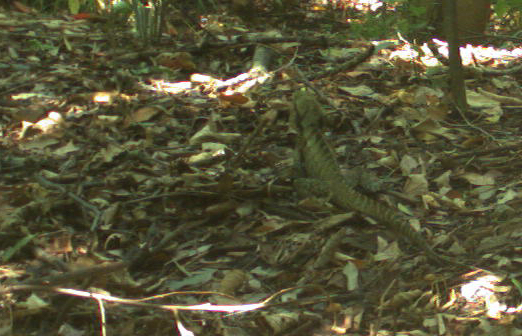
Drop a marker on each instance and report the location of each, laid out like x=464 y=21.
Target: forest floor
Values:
x=146 y=189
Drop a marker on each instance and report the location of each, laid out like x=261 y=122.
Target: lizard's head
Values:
x=307 y=111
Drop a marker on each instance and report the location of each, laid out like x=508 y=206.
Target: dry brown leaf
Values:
x=176 y=61
x=479 y=179
x=234 y=98
x=416 y=185
x=140 y=115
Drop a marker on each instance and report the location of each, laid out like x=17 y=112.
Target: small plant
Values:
x=149 y=19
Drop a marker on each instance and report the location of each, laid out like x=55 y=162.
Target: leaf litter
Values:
x=132 y=173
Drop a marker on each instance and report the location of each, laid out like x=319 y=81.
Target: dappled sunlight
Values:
x=485 y=294
x=255 y=167
x=232 y=89
x=471 y=55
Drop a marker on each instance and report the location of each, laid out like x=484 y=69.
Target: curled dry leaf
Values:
x=232 y=281
x=140 y=115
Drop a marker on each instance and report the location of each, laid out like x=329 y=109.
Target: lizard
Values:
x=318 y=161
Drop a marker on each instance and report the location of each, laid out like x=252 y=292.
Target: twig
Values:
x=78 y=274
x=473 y=126
x=48 y=184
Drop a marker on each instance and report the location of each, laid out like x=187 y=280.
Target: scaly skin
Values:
x=319 y=162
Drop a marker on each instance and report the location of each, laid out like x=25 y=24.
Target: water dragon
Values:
x=319 y=162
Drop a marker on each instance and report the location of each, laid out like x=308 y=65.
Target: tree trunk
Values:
x=472 y=18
